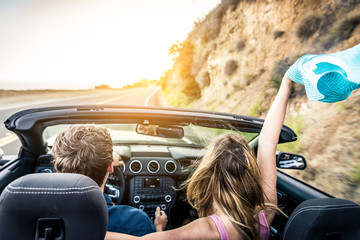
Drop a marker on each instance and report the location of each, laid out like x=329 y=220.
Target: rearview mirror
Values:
x=290 y=161
x=160 y=131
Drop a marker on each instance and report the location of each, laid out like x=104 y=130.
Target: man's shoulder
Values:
x=130 y=220
x=130 y=212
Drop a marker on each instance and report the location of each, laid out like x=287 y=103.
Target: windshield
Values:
x=196 y=136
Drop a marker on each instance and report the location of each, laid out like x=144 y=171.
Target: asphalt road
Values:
x=9 y=142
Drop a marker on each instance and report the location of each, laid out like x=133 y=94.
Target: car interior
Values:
x=157 y=147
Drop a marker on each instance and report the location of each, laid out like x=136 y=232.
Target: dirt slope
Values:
x=236 y=56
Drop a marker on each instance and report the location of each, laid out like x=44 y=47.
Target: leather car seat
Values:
x=53 y=206
x=324 y=219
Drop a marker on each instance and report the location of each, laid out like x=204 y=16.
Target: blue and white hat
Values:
x=328 y=77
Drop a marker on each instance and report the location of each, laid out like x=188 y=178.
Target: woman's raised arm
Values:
x=268 y=141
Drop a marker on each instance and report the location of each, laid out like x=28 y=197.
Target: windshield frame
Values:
x=125 y=134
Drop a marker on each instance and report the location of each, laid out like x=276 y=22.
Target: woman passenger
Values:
x=234 y=194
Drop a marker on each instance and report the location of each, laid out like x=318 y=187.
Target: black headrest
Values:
x=324 y=219
x=53 y=206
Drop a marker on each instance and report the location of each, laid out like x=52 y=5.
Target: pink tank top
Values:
x=220 y=226
x=264 y=227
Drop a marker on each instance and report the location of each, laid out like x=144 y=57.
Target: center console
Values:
x=148 y=192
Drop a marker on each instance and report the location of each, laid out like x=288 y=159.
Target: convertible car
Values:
x=157 y=145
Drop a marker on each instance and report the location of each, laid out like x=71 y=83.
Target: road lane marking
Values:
x=24 y=105
x=8 y=139
x=110 y=100
x=128 y=95
x=149 y=97
x=13 y=137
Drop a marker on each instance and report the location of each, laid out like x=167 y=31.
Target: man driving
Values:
x=88 y=149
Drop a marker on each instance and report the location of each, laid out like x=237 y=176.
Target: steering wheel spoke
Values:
x=115 y=185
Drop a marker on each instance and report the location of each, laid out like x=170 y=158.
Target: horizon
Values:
x=77 y=44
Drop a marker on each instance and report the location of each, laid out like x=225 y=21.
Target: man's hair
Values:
x=85 y=149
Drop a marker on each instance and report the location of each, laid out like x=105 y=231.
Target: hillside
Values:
x=233 y=61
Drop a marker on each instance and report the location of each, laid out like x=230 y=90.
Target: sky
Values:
x=77 y=44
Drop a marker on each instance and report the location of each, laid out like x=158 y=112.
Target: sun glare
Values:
x=78 y=44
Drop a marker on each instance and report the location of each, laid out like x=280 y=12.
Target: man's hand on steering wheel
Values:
x=116 y=178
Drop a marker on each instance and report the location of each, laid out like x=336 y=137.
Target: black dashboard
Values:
x=151 y=174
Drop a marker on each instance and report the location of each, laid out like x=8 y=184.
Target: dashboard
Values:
x=151 y=174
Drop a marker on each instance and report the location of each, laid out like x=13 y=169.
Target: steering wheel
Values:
x=116 y=185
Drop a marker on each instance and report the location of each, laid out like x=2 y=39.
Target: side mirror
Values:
x=290 y=161
x=1 y=153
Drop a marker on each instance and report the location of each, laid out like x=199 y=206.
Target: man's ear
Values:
x=111 y=167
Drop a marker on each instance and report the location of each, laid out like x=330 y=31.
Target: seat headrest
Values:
x=59 y=205
x=324 y=219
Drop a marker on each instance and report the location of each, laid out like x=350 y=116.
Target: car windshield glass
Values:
x=194 y=135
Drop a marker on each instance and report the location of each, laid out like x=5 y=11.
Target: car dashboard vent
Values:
x=135 y=166
x=153 y=166
x=170 y=166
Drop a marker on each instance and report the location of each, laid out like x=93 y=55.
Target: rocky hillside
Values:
x=233 y=60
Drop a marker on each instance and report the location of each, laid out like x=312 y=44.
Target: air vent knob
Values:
x=136 y=199
x=168 y=198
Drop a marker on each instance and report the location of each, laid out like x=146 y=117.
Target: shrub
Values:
x=175 y=99
x=184 y=56
x=257 y=109
x=296 y=123
x=279 y=70
x=328 y=20
x=307 y=27
x=342 y=31
x=102 y=86
x=164 y=78
x=141 y=83
x=240 y=45
x=349 y=5
x=191 y=89
x=340 y=106
x=355 y=175
x=230 y=67
x=278 y=34
x=230 y=3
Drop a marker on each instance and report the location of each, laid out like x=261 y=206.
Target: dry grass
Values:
x=307 y=27
x=340 y=32
x=257 y=109
x=279 y=69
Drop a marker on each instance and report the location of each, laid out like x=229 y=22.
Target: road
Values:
x=9 y=142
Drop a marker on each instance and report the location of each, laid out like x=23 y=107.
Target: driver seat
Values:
x=53 y=206
x=324 y=219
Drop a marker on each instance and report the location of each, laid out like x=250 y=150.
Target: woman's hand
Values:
x=160 y=219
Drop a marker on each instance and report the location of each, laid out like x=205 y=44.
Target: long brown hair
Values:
x=229 y=175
